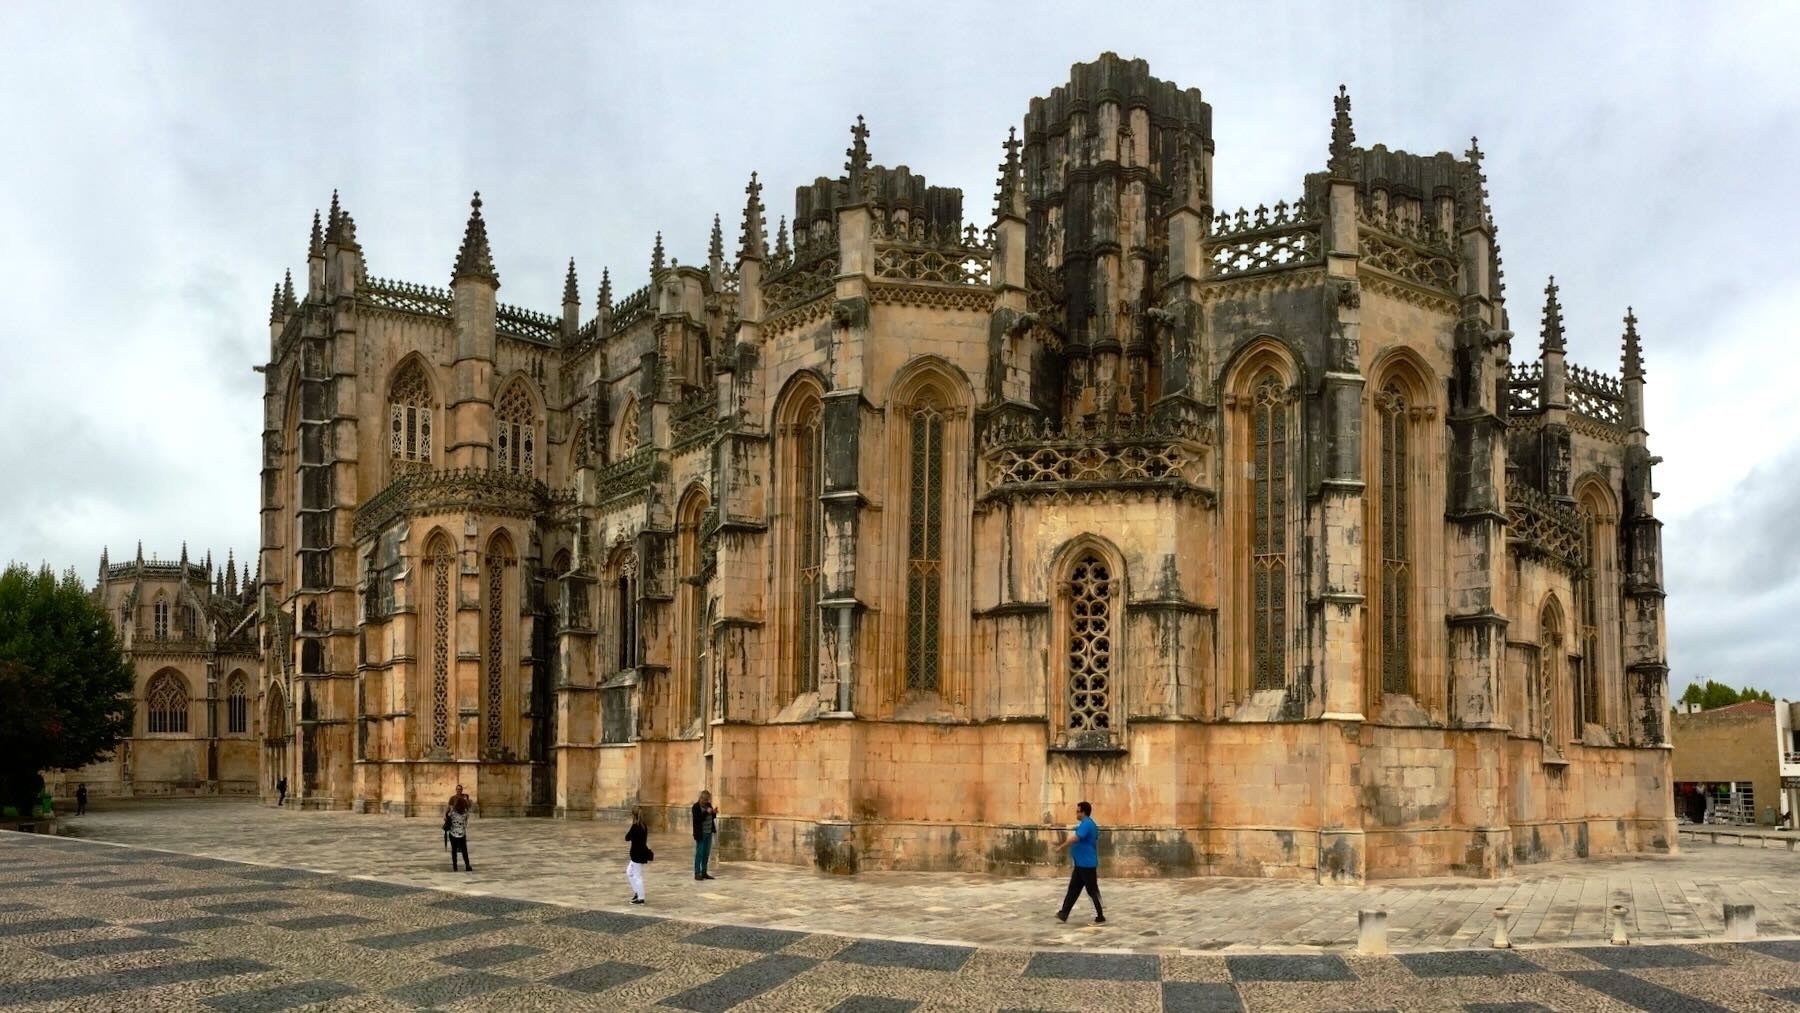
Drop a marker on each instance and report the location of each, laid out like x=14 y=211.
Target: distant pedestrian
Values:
x=80 y=799
x=641 y=855
x=706 y=824
x=1084 y=853
x=281 y=791
x=456 y=818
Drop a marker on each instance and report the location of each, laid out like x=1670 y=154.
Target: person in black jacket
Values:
x=641 y=855
x=706 y=824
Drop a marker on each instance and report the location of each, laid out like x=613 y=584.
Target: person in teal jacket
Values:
x=1084 y=853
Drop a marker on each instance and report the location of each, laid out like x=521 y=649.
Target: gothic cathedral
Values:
x=902 y=533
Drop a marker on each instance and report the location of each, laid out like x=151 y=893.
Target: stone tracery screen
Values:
x=1268 y=561
x=809 y=543
x=409 y=416
x=1091 y=640
x=1396 y=569
x=515 y=432
x=497 y=560
x=166 y=705
x=925 y=547
x=441 y=565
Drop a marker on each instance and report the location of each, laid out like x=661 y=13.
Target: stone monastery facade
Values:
x=905 y=531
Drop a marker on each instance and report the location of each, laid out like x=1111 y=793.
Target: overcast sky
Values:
x=159 y=167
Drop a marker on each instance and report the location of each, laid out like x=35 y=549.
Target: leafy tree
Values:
x=1714 y=694
x=65 y=686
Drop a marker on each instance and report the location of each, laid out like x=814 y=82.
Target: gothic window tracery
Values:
x=1585 y=673
x=693 y=591
x=1089 y=671
x=237 y=704
x=442 y=564
x=925 y=543
x=625 y=609
x=166 y=704
x=807 y=509
x=515 y=432
x=1268 y=531
x=628 y=429
x=159 y=613
x=499 y=559
x=1394 y=504
x=1550 y=669
x=409 y=415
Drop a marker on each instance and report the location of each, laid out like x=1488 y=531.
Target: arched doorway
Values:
x=275 y=740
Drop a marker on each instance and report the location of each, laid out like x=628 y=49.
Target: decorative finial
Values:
x=781 y=240
x=1009 y=198
x=753 y=243
x=1633 y=357
x=230 y=573
x=1343 y=137
x=656 y=257
x=331 y=217
x=475 y=260
x=571 y=290
x=605 y=299
x=1471 y=196
x=715 y=250
x=858 y=153
x=1553 y=322
x=287 y=292
x=315 y=247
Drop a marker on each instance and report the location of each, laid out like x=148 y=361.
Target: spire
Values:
x=475 y=260
x=1009 y=199
x=605 y=297
x=331 y=218
x=1633 y=357
x=315 y=247
x=571 y=290
x=781 y=240
x=754 y=243
x=209 y=566
x=287 y=291
x=1343 y=137
x=275 y=307
x=230 y=573
x=715 y=252
x=1553 y=322
x=103 y=567
x=656 y=257
x=219 y=584
x=140 y=555
x=858 y=164
x=184 y=561
x=1471 y=195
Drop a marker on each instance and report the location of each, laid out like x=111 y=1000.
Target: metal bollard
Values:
x=1501 y=942
x=1618 y=926
x=1371 y=932
x=1740 y=921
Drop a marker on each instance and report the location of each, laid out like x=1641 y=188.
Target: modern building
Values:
x=910 y=529
x=190 y=634
x=1738 y=764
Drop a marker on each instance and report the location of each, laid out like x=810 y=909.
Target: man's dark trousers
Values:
x=1083 y=879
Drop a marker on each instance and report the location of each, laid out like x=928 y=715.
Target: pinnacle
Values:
x=753 y=243
x=1009 y=198
x=605 y=298
x=1632 y=358
x=571 y=290
x=1343 y=136
x=781 y=240
x=287 y=291
x=275 y=307
x=331 y=218
x=715 y=251
x=1553 y=322
x=316 y=246
x=656 y=257
x=858 y=153
x=475 y=259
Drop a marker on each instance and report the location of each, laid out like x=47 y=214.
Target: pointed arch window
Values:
x=807 y=508
x=1550 y=669
x=1268 y=531
x=1089 y=673
x=1393 y=496
x=160 y=617
x=166 y=704
x=925 y=543
x=625 y=609
x=409 y=415
x=237 y=704
x=515 y=432
x=693 y=635
x=498 y=561
x=1584 y=672
x=443 y=563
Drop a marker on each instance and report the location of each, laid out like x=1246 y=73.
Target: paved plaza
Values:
x=211 y=905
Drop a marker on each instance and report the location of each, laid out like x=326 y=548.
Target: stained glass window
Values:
x=1091 y=639
x=166 y=704
x=409 y=416
x=924 y=545
x=1393 y=498
x=1268 y=553
x=515 y=435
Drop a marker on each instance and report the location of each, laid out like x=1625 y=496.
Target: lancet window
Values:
x=1586 y=672
x=693 y=605
x=499 y=559
x=237 y=704
x=806 y=507
x=515 y=432
x=159 y=613
x=625 y=609
x=1269 y=531
x=925 y=543
x=1091 y=625
x=1394 y=588
x=409 y=416
x=166 y=704
x=443 y=564
x=1550 y=668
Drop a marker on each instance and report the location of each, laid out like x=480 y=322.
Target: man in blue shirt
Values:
x=1084 y=852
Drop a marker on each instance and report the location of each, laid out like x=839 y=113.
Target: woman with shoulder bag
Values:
x=641 y=855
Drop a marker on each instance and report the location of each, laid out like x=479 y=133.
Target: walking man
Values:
x=1084 y=852
x=281 y=791
x=80 y=799
x=706 y=824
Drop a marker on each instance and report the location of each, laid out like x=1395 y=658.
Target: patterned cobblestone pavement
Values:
x=90 y=926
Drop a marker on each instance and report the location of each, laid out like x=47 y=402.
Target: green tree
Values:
x=65 y=686
x=1714 y=694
